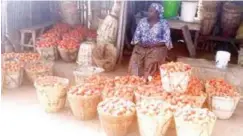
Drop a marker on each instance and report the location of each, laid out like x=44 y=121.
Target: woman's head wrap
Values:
x=159 y=8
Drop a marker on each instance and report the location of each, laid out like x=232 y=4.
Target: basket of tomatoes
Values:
x=13 y=73
x=175 y=76
x=83 y=100
x=39 y=69
x=68 y=49
x=222 y=97
x=51 y=92
x=47 y=48
x=116 y=116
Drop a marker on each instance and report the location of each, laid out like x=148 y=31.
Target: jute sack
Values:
x=84 y=107
x=105 y=56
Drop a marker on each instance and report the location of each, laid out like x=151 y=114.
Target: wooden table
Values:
x=186 y=27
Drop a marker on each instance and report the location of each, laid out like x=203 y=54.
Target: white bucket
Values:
x=222 y=59
x=188 y=11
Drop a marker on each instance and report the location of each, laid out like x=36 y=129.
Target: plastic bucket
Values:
x=171 y=8
x=222 y=58
x=188 y=11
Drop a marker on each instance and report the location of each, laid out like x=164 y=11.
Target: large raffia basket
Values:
x=33 y=75
x=83 y=107
x=48 y=53
x=153 y=125
x=52 y=98
x=82 y=73
x=175 y=81
x=68 y=55
x=116 y=125
x=139 y=97
x=13 y=79
x=184 y=128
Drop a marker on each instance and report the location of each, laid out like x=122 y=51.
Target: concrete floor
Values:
x=20 y=111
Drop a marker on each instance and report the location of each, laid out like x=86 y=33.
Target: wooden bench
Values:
x=186 y=27
x=34 y=31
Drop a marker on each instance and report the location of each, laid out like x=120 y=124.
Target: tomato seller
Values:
x=152 y=40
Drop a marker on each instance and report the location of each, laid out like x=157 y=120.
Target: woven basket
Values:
x=49 y=53
x=139 y=97
x=52 y=98
x=13 y=79
x=223 y=107
x=153 y=125
x=176 y=81
x=128 y=98
x=116 y=125
x=32 y=76
x=184 y=128
x=84 y=107
x=82 y=73
x=68 y=56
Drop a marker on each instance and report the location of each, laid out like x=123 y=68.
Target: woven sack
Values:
x=105 y=56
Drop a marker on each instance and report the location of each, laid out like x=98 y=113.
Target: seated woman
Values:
x=152 y=40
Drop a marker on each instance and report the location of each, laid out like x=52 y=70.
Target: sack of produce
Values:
x=194 y=122
x=154 y=117
x=51 y=92
x=131 y=81
x=123 y=92
x=82 y=73
x=148 y=92
x=23 y=58
x=68 y=49
x=85 y=53
x=13 y=73
x=175 y=76
x=83 y=100
x=39 y=69
x=222 y=98
x=116 y=116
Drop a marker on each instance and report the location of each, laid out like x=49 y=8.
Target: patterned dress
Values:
x=159 y=32
x=145 y=61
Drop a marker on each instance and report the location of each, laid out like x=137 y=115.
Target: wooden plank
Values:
x=178 y=24
x=188 y=39
x=196 y=39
